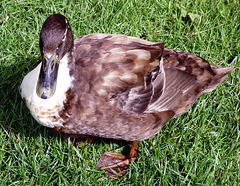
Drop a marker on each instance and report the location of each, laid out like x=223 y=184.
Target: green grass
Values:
x=202 y=147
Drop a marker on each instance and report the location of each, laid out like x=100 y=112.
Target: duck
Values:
x=112 y=86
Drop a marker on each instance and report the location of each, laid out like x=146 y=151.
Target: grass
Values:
x=201 y=147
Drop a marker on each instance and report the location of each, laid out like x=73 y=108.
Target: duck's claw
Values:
x=116 y=165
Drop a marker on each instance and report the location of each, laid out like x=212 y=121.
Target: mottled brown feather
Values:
x=128 y=88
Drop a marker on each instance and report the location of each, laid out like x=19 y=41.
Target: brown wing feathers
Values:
x=187 y=78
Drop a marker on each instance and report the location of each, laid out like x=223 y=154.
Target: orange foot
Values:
x=116 y=165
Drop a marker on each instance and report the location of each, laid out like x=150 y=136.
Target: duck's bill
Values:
x=47 y=80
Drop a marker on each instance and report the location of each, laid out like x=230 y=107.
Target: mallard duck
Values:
x=112 y=86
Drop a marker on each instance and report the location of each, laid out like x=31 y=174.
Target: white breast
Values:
x=46 y=111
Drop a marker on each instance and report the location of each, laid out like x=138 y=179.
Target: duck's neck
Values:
x=49 y=107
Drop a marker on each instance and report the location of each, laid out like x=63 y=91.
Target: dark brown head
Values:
x=56 y=36
x=56 y=40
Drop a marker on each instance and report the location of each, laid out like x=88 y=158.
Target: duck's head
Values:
x=56 y=41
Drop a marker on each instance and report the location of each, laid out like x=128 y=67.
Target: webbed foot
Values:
x=116 y=165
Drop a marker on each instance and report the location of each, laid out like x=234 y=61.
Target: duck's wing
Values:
x=121 y=68
x=187 y=78
x=141 y=76
x=178 y=81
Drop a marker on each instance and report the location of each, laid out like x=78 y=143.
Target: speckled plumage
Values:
x=128 y=88
x=122 y=90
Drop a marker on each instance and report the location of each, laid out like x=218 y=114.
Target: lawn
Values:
x=201 y=147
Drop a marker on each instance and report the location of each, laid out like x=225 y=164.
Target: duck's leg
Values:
x=80 y=140
x=116 y=165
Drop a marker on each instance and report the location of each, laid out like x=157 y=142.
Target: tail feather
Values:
x=219 y=78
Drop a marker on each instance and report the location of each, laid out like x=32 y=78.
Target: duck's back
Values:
x=128 y=88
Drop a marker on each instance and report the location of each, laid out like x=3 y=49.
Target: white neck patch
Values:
x=46 y=111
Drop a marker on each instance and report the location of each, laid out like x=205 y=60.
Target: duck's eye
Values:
x=65 y=34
